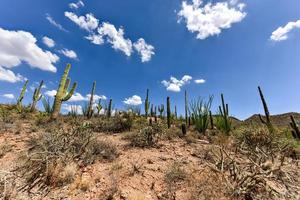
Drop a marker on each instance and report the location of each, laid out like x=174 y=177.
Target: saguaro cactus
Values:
x=168 y=112
x=161 y=110
x=175 y=112
x=211 y=120
x=36 y=96
x=186 y=108
x=295 y=131
x=147 y=103
x=152 y=111
x=21 y=97
x=109 y=108
x=224 y=113
x=90 y=107
x=99 y=106
x=267 y=122
x=62 y=92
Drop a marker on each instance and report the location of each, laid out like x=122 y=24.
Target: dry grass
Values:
x=5 y=148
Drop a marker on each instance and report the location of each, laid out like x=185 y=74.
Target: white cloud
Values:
x=68 y=53
x=20 y=46
x=77 y=97
x=54 y=23
x=69 y=108
x=9 y=96
x=135 y=100
x=116 y=38
x=209 y=19
x=145 y=50
x=96 y=97
x=9 y=76
x=76 y=5
x=87 y=22
x=50 y=93
x=175 y=85
x=200 y=81
x=281 y=33
x=48 y=42
x=107 y=32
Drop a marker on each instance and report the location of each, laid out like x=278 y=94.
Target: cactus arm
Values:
x=90 y=106
x=71 y=92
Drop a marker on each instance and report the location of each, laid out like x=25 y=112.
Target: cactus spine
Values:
x=36 y=96
x=147 y=103
x=168 y=112
x=186 y=108
x=224 y=112
x=267 y=122
x=62 y=92
x=295 y=131
x=109 y=108
x=90 y=108
x=21 y=97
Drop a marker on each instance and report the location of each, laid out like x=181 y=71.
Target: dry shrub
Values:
x=115 y=124
x=5 y=148
x=51 y=156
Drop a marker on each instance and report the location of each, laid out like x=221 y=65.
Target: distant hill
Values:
x=278 y=120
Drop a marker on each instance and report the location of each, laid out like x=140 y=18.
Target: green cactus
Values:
x=99 y=106
x=62 y=92
x=21 y=97
x=90 y=106
x=223 y=120
x=211 y=120
x=175 y=112
x=267 y=122
x=161 y=110
x=186 y=107
x=168 y=112
x=147 y=104
x=36 y=96
x=295 y=128
x=152 y=111
x=109 y=108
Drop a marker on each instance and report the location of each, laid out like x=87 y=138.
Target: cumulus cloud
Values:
x=50 y=93
x=135 y=100
x=106 y=32
x=68 y=53
x=54 y=23
x=77 y=97
x=145 y=50
x=48 y=42
x=209 y=19
x=69 y=108
x=174 y=85
x=9 y=76
x=20 y=46
x=200 y=81
x=76 y=5
x=87 y=22
x=96 y=97
x=9 y=96
x=282 y=32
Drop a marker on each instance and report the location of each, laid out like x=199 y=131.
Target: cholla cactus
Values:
x=90 y=106
x=21 y=97
x=62 y=92
x=36 y=96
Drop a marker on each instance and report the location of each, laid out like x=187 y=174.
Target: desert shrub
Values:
x=4 y=148
x=115 y=124
x=199 y=109
x=51 y=153
x=47 y=105
x=223 y=124
x=5 y=115
x=146 y=137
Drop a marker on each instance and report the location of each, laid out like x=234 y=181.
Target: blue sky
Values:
x=233 y=45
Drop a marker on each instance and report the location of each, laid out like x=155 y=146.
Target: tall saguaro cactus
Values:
x=267 y=122
x=147 y=103
x=109 y=108
x=36 y=96
x=62 y=92
x=90 y=107
x=186 y=108
x=161 y=110
x=175 y=112
x=99 y=106
x=168 y=112
x=21 y=97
